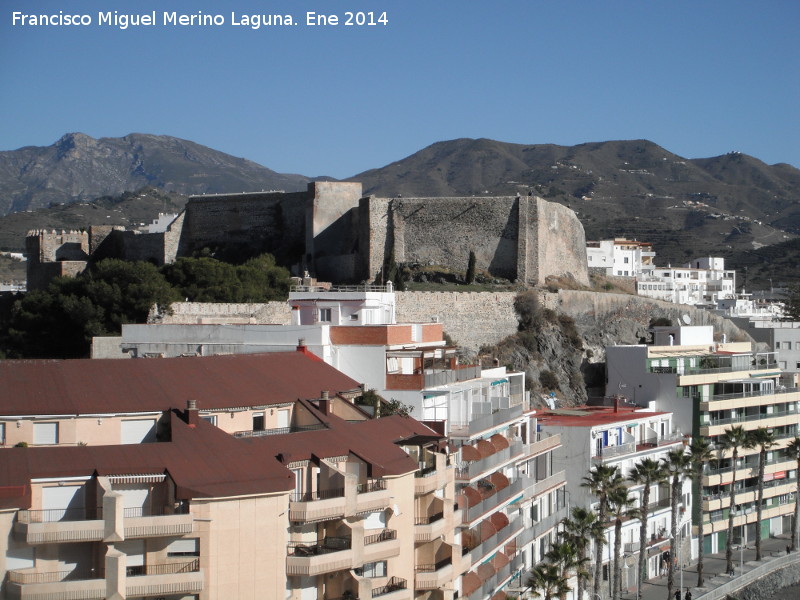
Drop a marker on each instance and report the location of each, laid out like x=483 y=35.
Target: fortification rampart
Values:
x=518 y=238
x=187 y=313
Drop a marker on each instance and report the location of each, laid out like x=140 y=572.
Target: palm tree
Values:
x=545 y=580
x=765 y=440
x=677 y=465
x=702 y=454
x=647 y=472
x=620 y=502
x=733 y=439
x=600 y=481
x=566 y=557
x=793 y=450
x=579 y=530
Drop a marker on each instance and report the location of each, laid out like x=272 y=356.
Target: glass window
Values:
x=45 y=433
x=325 y=314
x=373 y=569
x=258 y=421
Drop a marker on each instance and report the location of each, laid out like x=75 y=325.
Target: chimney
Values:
x=616 y=404
x=301 y=345
x=325 y=403
x=192 y=414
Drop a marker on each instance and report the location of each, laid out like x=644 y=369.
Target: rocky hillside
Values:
x=79 y=168
x=619 y=188
x=563 y=336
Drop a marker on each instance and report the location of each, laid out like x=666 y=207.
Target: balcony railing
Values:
x=749 y=418
x=483 y=422
x=513 y=488
x=752 y=394
x=278 y=430
x=607 y=452
x=383 y=536
x=433 y=567
x=326 y=546
x=55 y=515
x=476 y=468
x=393 y=585
x=374 y=485
x=317 y=495
x=164 y=569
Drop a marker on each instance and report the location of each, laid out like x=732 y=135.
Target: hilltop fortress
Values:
x=338 y=235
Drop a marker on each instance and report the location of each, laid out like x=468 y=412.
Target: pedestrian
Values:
x=688 y=595
x=788 y=549
x=678 y=594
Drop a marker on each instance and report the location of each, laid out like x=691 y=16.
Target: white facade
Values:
x=693 y=285
x=620 y=257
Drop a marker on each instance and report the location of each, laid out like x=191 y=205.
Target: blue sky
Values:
x=700 y=78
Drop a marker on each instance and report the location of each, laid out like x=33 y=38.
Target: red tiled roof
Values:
x=590 y=416
x=98 y=386
x=206 y=462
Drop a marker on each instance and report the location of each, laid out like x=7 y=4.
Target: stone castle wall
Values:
x=517 y=238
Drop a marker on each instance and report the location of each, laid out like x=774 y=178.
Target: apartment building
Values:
x=620 y=257
x=507 y=498
x=708 y=386
x=227 y=498
x=621 y=435
x=703 y=281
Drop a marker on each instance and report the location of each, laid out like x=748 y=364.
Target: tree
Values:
x=546 y=582
x=579 y=530
x=791 y=308
x=702 y=455
x=621 y=502
x=793 y=450
x=60 y=321
x=566 y=557
x=765 y=440
x=470 y=268
x=676 y=465
x=732 y=440
x=647 y=473
x=602 y=479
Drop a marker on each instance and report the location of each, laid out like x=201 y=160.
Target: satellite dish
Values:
x=686 y=319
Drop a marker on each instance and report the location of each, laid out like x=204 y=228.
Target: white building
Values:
x=620 y=257
x=621 y=436
x=703 y=281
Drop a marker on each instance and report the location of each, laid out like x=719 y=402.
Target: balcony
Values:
x=394 y=589
x=164 y=579
x=433 y=576
x=490 y=463
x=493 y=542
x=25 y=584
x=610 y=452
x=543 y=443
x=429 y=528
x=773 y=419
x=371 y=496
x=139 y=524
x=548 y=483
x=278 y=430
x=329 y=555
x=317 y=506
x=536 y=530
x=742 y=399
x=380 y=546
x=776 y=487
x=429 y=479
x=483 y=422
x=60 y=525
x=514 y=488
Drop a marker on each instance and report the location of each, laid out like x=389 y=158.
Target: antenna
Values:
x=686 y=319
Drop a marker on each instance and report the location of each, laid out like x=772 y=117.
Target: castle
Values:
x=337 y=234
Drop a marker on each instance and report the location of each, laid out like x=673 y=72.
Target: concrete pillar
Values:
x=116 y=563
x=114 y=517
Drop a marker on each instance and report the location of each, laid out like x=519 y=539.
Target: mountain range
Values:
x=727 y=205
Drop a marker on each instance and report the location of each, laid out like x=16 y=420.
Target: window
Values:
x=373 y=569
x=211 y=419
x=625 y=260
x=354 y=317
x=45 y=433
x=797 y=366
x=2 y=434
x=325 y=315
x=258 y=421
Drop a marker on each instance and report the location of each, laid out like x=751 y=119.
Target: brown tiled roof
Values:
x=206 y=462
x=98 y=386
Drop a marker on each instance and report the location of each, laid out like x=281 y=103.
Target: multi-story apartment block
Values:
x=620 y=257
x=710 y=386
x=703 y=281
x=260 y=488
x=507 y=496
x=621 y=436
